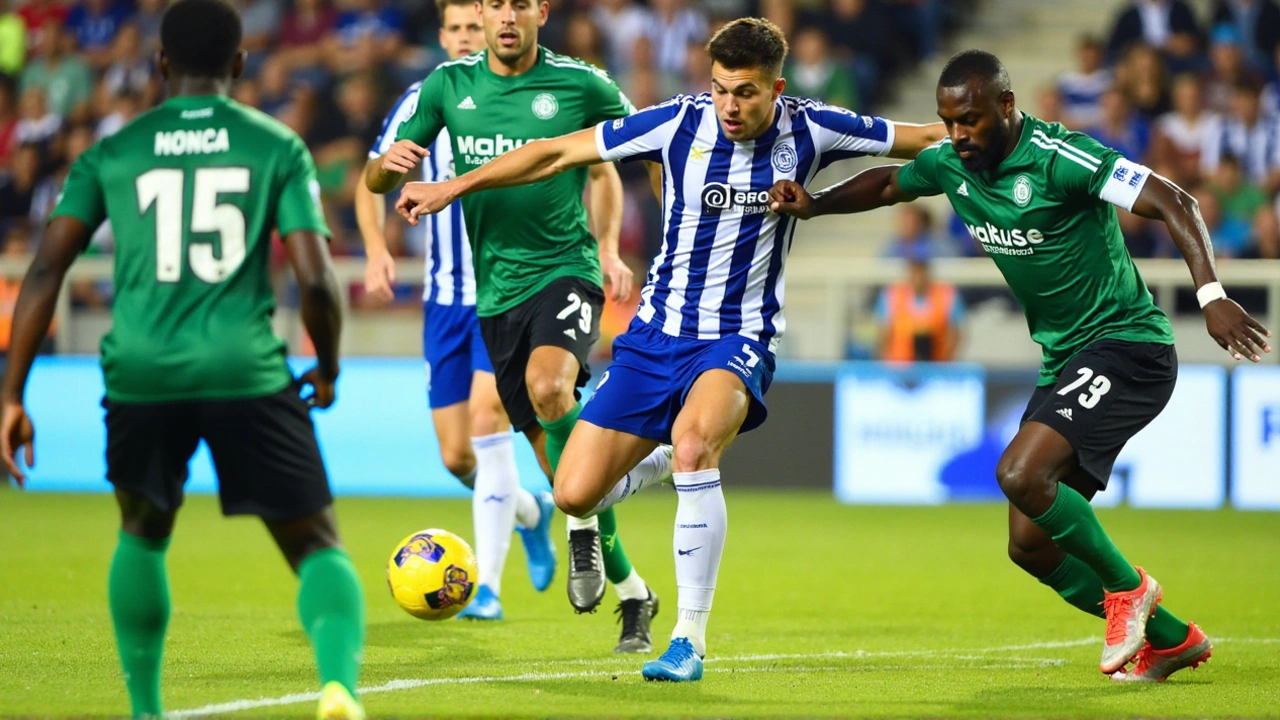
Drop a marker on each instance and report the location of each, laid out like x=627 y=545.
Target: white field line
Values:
x=971 y=654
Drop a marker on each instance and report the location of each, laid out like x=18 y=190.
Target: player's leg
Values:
x=148 y=448
x=269 y=465
x=714 y=409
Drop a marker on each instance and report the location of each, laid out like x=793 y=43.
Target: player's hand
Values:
x=790 y=197
x=424 y=198
x=403 y=157
x=16 y=432
x=323 y=391
x=618 y=275
x=379 y=276
x=1237 y=332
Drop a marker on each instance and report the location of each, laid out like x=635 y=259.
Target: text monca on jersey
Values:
x=205 y=141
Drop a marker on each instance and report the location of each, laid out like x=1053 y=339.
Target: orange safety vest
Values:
x=907 y=320
x=8 y=301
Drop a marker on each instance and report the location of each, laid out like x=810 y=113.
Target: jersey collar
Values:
x=186 y=102
x=542 y=56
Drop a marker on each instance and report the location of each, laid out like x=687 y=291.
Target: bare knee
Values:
x=299 y=537
x=572 y=501
x=1028 y=487
x=550 y=393
x=694 y=451
x=460 y=461
x=142 y=518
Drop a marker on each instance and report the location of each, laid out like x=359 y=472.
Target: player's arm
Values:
x=870 y=189
x=606 y=217
x=1233 y=329
x=321 y=310
x=379 y=267
x=910 y=139
x=532 y=162
x=656 y=180
x=64 y=239
x=414 y=124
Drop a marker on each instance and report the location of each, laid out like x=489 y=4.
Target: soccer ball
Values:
x=432 y=574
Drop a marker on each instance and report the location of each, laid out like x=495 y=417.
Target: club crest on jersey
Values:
x=1022 y=191
x=721 y=197
x=545 y=106
x=784 y=158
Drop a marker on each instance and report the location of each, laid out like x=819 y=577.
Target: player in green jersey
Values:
x=538 y=268
x=193 y=190
x=1041 y=201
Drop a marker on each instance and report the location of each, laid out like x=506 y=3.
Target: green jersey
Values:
x=1047 y=217
x=522 y=238
x=193 y=190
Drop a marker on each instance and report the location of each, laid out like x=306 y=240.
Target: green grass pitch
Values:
x=822 y=610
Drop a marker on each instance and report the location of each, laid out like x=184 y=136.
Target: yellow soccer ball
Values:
x=432 y=574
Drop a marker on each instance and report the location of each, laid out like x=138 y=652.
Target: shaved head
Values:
x=976 y=65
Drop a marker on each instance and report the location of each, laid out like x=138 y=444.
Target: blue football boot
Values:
x=680 y=663
x=484 y=606
x=538 y=549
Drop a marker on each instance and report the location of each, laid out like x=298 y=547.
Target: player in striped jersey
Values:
x=696 y=362
x=471 y=424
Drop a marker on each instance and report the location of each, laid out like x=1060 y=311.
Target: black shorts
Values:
x=564 y=314
x=1107 y=393
x=264 y=451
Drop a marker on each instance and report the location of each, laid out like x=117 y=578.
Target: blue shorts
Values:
x=652 y=372
x=454 y=350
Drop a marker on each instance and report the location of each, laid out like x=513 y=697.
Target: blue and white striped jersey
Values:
x=450 y=276
x=720 y=270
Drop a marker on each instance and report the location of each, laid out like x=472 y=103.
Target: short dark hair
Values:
x=442 y=5
x=201 y=37
x=749 y=43
x=969 y=65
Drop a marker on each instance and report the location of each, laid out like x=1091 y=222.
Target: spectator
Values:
x=70 y=145
x=673 y=27
x=916 y=237
x=1238 y=198
x=8 y=122
x=583 y=40
x=1179 y=136
x=1248 y=135
x=130 y=72
x=18 y=186
x=1266 y=236
x=94 y=24
x=65 y=79
x=302 y=35
x=1142 y=77
x=1227 y=68
x=367 y=34
x=1049 y=104
x=13 y=41
x=624 y=24
x=147 y=18
x=1168 y=25
x=1121 y=128
x=120 y=109
x=1230 y=236
x=260 y=19
x=1258 y=25
x=812 y=73
x=1081 y=90
x=863 y=34
x=36 y=14
x=38 y=124
x=919 y=318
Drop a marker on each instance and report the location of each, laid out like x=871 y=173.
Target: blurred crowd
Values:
x=75 y=72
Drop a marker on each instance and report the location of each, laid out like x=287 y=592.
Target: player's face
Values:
x=461 y=32
x=744 y=100
x=977 y=118
x=511 y=26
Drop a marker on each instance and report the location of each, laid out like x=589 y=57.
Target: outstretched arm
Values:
x=909 y=139
x=528 y=164
x=1228 y=323
x=869 y=189
x=64 y=239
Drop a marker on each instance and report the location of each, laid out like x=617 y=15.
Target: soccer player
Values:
x=538 y=269
x=1040 y=199
x=193 y=190
x=471 y=425
x=695 y=364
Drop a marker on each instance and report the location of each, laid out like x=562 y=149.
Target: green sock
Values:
x=331 y=605
x=1081 y=587
x=138 y=592
x=617 y=566
x=1071 y=523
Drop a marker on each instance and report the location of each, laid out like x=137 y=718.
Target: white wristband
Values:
x=1210 y=292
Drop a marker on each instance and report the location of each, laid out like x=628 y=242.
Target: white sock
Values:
x=493 y=506
x=528 y=512
x=653 y=470
x=588 y=523
x=701 y=524
x=633 y=588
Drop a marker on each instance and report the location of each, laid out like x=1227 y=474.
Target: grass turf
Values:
x=822 y=609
